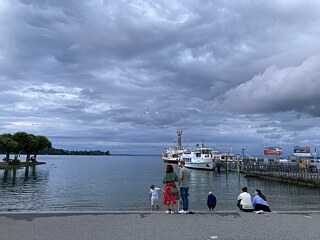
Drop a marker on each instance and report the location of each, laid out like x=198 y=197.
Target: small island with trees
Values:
x=22 y=143
x=32 y=146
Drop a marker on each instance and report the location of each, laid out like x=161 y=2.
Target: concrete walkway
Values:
x=158 y=225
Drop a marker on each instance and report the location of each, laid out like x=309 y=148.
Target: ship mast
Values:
x=179 y=133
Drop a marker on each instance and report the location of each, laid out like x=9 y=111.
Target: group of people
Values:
x=172 y=195
x=259 y=202
x=171 y=191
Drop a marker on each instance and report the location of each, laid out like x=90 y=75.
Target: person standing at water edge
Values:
x=154 y=197
x=184 y=187
x=169 y=199
x=211 y=201
x=244 y=201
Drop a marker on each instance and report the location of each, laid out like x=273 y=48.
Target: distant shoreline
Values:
x=123 y=154
x=120 y=154
x=116 y=154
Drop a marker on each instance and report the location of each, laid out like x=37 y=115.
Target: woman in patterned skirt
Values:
x=170 y=179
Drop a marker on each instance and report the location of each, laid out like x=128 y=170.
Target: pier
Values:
x=289 y=173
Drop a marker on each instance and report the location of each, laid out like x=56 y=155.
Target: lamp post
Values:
x=238 y=163
x=242 y=154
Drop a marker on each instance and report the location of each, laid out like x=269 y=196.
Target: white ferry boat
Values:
x=199 y=157
x=172 y=154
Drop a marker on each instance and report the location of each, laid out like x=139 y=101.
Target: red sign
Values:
x=272 y=151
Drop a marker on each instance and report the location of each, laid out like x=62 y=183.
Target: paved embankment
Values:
x=156 y=226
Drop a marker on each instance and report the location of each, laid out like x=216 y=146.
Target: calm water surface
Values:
x=102 y=183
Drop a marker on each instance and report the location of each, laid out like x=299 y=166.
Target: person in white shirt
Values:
x=154 y=197
x=244 y=201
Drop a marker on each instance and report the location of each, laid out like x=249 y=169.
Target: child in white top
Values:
x=154 y=197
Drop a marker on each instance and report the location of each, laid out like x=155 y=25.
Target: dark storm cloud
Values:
x=233 y=73
x=293 y=88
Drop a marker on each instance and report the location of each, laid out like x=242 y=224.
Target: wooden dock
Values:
x=304 y=179
x=288 y=173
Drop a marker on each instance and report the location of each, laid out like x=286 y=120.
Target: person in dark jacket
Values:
x=212 y=201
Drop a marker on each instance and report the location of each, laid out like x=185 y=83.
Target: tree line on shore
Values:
x=22 y=143
x=54 y=151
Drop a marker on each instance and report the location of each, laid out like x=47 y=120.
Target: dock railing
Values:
x=278 y=169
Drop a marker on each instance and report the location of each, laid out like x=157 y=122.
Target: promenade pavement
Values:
x=158 y=225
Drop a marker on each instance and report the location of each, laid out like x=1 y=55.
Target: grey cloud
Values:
x=273 y=136
x=41 y=90
x=134 y=71
x=292 y=88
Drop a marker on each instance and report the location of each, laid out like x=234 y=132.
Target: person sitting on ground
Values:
x=244 y=201
x=211 y=201
x=260 y=202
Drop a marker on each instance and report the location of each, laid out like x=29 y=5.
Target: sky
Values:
x=124 y=76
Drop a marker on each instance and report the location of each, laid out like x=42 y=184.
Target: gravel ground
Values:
x=158 y=225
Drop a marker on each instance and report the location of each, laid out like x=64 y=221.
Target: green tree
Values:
x=31 y=146
x=8 y=145
x=27 y=143
x=42 y=142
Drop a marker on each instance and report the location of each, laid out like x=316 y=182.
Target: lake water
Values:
x=102 y=183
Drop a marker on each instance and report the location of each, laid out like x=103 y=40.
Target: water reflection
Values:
x=85 y=183
x=21 y=189
x=28 y=175
x=10 y=175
